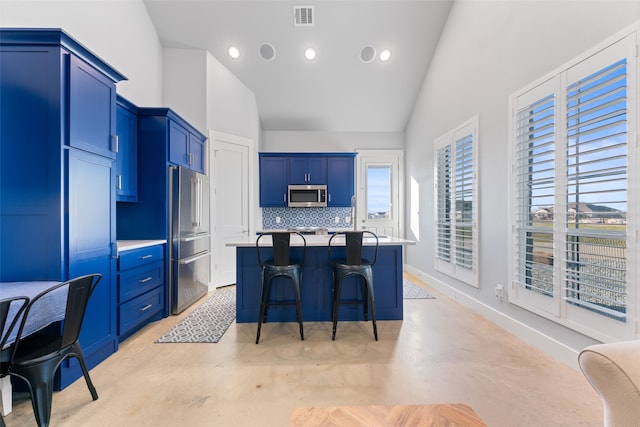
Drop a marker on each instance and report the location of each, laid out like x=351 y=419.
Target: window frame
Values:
x=453 y=266
x=556 y=308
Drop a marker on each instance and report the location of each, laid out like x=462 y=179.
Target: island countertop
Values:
x=320 y=240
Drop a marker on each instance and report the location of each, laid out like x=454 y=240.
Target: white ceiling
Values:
x=336 y=91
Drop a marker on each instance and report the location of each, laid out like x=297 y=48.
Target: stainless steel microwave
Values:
x=307 y=196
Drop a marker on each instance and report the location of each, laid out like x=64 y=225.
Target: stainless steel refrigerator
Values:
x=190 y=266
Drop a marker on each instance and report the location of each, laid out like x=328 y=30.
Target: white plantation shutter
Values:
x=456 y=203
x=573 y=205
x=596 y=214
x=535 y=195
x=464 y=195
x=443 y=203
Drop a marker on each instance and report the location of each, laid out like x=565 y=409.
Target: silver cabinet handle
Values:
x=146 y=256
x=119 y=182
x=146 y=307
x=115 y=143
x=145 y=280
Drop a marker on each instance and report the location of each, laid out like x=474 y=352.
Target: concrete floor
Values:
x=441 y=352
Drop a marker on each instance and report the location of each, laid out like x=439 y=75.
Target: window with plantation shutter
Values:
x=573 y=211
x=456 y=203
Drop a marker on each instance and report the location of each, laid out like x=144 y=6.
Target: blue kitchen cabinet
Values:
x=126 y=164
x=307 y=170
x=58 y=218
x=340 y=180
x=278 y=170
x=186 y=146
x=274 y=176
x=140 y=288
x=92 y=109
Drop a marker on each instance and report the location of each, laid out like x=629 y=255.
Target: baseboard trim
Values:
x=526 y=333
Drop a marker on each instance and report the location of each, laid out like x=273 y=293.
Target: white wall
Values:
x=185 y=85
x=330 y=141
x=119 y=32
x=231 y=105
x=206 y=94
x=488 y=50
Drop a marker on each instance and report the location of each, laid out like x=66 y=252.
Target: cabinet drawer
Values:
x=139 y=280
x=137 y=257
x=138 y=310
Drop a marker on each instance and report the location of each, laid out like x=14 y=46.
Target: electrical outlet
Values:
x=347 y=219
x=278 y=220
x=499 y=291
x=337 y=220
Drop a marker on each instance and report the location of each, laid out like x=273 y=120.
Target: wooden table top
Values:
x=441 y=415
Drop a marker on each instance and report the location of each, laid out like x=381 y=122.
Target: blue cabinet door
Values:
x=92 y=101
x=126 y=164
x=273 y=181
x=307 y=170
x=91 y=249
x=340 y=183
x=178 y=144
x=196 y=153
x=185 y=148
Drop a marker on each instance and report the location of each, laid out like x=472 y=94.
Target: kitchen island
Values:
x=316 y=289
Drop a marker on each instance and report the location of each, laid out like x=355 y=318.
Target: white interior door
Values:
x=230 y=180
x=379 y=192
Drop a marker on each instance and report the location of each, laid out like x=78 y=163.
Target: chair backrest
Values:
x=281 y=244
x=19 y=304
x=78 y=294
x=354 y=244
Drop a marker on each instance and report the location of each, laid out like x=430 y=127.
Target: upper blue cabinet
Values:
x=186 y=145
x=127 y=151
x=92 y=100
x=308 y=170
x=278 y=170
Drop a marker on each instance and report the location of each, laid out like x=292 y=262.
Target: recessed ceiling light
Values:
x=367 y=54
x=310 y=53
x=233 y=52
x=385 y=54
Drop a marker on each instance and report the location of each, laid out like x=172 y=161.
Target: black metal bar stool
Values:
x=280 y=265
x=354 y=265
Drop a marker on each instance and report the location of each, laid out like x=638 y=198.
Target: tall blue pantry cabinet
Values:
x=57 y=189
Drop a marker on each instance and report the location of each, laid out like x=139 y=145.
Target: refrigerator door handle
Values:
x=195 y=237
x=193 y=258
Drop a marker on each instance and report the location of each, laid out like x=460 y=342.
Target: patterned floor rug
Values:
x=412 y=291
x=207 y=323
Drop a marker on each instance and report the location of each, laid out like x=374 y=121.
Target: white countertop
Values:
x=127 y=245
x=320 y=240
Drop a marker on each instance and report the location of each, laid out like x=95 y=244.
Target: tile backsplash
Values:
x=276 y=218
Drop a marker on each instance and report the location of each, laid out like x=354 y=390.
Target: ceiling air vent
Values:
x=303 y=16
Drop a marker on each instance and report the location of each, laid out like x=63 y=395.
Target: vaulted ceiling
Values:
x=337 y=91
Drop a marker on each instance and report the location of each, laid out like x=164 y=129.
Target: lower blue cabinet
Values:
x=141 y=288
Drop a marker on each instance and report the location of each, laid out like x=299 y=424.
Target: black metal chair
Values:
x=19 y=304
x=280 y=264
x=354 y=265
x=35 y=358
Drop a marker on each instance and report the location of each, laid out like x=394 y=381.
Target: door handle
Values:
x=191 y=259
